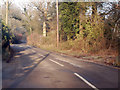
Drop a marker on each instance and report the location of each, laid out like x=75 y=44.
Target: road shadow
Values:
x=16 y=71
x=19 y=47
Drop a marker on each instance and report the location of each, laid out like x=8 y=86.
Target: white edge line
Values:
x=56 y=62
x=86 y=81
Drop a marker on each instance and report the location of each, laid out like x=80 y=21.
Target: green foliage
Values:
x=6 y=37
x=5 y=33
x=76 y=24
x=69 y=19
x=81 y=25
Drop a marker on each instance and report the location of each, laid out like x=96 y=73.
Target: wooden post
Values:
x=57 y=23
x=7 y=12
x=44 y=23
x=44 y=29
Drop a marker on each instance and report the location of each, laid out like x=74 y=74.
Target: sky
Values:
x=19 y=3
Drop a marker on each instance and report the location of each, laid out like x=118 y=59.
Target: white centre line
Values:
x=86 y=81
x=69 y=63
x=56 y=62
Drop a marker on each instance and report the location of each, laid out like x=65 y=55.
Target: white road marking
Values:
x=69 y=63
x=86 y=81
x=56 y=62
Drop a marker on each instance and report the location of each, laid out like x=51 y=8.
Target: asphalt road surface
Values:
x=35 y=68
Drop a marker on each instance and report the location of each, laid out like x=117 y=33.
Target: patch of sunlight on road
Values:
x=26 y=71
x=31 y=56
x=17 y=56
x=35 y=58
x=22 y=46
x=36 y=61
x=26 y=53
x=22 y=52
x=28 y=67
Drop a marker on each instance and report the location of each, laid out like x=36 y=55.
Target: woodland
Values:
x=84 y=28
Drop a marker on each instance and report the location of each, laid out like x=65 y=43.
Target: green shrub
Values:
x=6 y=37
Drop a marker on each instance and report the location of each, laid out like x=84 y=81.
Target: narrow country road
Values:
x=35 y=68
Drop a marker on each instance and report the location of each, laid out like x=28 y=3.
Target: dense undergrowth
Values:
x=77 y=48
x=84 y=28
x=79 y=45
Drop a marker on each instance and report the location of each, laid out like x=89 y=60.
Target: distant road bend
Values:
x=35 y=68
